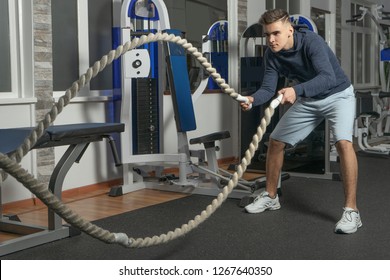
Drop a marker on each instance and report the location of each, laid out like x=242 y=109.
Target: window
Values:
x=5 y=49
x=65 y=45
x=100 y=39
x=16 y=70
x=9 y=74
x=86 y=38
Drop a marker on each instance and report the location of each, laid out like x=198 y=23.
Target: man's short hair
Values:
x=274 y=15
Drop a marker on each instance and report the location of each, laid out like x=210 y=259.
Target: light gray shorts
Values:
x=307 y=113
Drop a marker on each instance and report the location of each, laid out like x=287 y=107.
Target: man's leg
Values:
x=349 y=171
x=269 y=199
x=350 y=220
x=340 y=111
x=275 y=156
x=296 y=123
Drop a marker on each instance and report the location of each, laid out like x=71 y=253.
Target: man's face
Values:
x=279 y=35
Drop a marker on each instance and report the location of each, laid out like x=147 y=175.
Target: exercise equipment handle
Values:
x=244 y=99
x=241 y=98
x=274 y=103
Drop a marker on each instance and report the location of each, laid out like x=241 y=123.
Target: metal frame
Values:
x=36 y=235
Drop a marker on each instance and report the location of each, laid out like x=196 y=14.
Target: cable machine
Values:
x=137 y=80
x=143 y=72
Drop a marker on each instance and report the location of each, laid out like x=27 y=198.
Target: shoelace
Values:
x=261 y=196
x=347 y=216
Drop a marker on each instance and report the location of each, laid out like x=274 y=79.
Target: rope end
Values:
x=275 y=103
x=122 y=239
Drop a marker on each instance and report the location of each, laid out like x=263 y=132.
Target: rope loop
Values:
x=10 y=164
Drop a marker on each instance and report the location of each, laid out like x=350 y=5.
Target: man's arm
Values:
x=325 y=78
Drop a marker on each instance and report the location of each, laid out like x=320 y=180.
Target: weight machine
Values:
x=372 y=136
x=372 y=127
x=143 y=73
x=215 y=48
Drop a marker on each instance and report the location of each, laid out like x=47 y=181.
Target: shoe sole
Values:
x=262 y=210
x=339 y=231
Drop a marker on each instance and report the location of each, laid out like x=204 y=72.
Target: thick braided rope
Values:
x=11 y=166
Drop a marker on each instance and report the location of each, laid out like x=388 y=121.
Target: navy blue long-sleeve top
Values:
x=311 y=64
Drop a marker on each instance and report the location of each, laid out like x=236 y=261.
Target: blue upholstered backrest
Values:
x=179 y=85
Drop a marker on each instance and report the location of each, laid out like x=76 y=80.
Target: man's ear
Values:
x=291 y=29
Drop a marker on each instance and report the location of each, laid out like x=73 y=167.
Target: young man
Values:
x=321 y=90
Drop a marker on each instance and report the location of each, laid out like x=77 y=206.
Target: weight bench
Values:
x=78 y=137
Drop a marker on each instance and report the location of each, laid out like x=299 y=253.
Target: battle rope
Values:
x=11 y=164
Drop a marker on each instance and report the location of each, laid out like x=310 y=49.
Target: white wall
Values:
x=11 y=190
x=17 y=115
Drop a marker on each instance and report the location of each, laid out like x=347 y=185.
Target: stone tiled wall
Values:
x=43 y=79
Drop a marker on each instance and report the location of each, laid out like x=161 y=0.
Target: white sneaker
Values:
x=263 y=202
x=349 y=222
